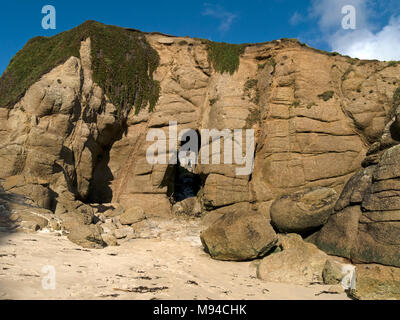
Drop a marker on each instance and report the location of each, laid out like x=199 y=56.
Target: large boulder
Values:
x=73 y=213
x=239 y=236
x=209 y=218
x=366 y=224
x=377 y=282
x=297 y=262
x=77 y=221
x=303 y=211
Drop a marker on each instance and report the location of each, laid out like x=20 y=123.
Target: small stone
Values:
x=54 y=225
x=108 y=227
x=14 y=217
x=117 y=222
x=114 y=213
x=101 y=217
x=123 y=232
x=110 y=240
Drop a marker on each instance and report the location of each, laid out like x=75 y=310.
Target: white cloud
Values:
x=226 y=18
x=364 y=44
x=329 y=13
x=367 y=41
x=296 y=19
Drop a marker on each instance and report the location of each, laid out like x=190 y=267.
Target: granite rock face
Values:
x=315 y=116
x=366 y=224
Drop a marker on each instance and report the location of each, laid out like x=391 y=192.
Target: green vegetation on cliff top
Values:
x=123 y=63
x=122 y=60
x=224 y=57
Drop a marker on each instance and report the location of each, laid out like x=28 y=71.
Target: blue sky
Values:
x=315 y=22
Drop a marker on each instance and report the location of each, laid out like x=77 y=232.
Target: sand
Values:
x=171 y=265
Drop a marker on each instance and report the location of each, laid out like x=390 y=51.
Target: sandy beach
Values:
x=170 y=264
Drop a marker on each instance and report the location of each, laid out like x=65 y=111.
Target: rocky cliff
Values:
x=73 y=130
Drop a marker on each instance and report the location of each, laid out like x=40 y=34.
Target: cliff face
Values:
x=279 y=90
x=365 y=226
x=315 y=115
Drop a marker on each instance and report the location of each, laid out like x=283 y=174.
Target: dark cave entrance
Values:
x=100 y=191
x=186 y=184
x=182 y=181
x=100 y=185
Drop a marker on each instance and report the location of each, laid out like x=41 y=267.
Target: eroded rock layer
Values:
x=315 y=116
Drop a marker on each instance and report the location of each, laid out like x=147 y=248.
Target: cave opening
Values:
x=186 y=184
x=100 y=191
x=182 y=180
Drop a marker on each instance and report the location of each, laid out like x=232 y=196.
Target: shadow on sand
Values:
x=7 y=202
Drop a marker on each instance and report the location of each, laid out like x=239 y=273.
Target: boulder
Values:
x=377 y=282
x=239 y=236
x=83 y=215
x=332 y=273
x=154 y=205
x=132 y=215
x=110 y=240
x=296 y=262
x=108 y=227
x=303 y=211
x=40 y=195
x=87 y=236
x=210 y=217
x=339 y=273
x=112 y=213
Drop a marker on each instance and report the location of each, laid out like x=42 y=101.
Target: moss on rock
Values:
x=326 y=96
x=224 y=57
x=122 y=60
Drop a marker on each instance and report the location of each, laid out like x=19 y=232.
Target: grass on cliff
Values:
x=224 y=57
x=122 y=61
x=326 y=96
